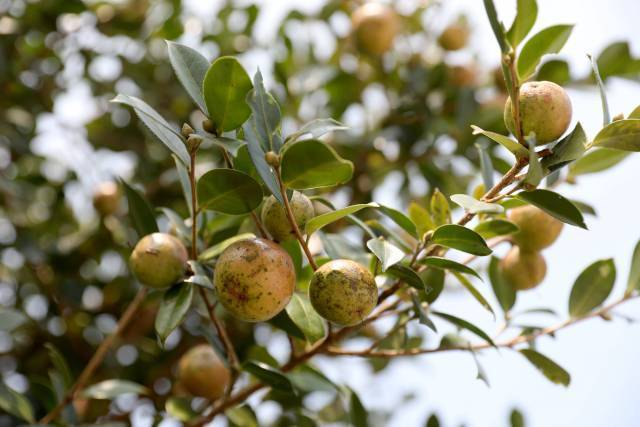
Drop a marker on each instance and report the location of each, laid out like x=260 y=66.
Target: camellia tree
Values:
x=233 y=233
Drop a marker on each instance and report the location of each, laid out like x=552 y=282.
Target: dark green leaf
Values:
x=387 y=253
x=570 y=148
x=474 y=292
x=190 y=67
x=550 y=369
x=60 y=364
x=461 y=323
x=523 y=22
x=461 y=238
x=634 y=273
x=516 y=419
x=555 y=70
x=555 y=205
x=16 y=404
x=306 y=318
x=620 y=135
x=495 y=227
x=399 y=218
x=228 y=191
x=409 y=276
x=110 y=389
x=449 y=264
x=268 y=375
x=433 y=421
x=313 y=164
x=256 y=154
x=592 y=287
x=140 y=212
x=174 y=306
x=185 y=182
x=505 y=294
x=265 y=113
x=232 y=145
x=597 y=161
x=434 y=281
x=420 y=312
x=308 y=378
x=549 y=40
x=357 y=413
x=534 y=173
x=283 y=321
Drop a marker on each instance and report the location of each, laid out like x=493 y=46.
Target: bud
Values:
x=187 y=130
x=617 y=117
x=208 y=126
x=272 y=159
x=193 y=143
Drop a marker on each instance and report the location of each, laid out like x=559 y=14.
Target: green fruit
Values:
x=374 y=27
x=538 y=229
x=274 y=216
x=343 y=292
x=454 y=37
x=202 y=373
x=159 y=260
x=255 y=279
x=106 y=198
x=523 y=270
x=545 y=109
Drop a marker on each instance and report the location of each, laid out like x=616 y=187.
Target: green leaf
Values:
x=634 y=273
x=554 y=70
x=535 y=172
x=620 y=135
x=190 y=67
x=592 y=287
x=307 y=378
x=516 y=419
x=256 y=154
x=185 y=182
x=268 y=375
x=11 y=319
x=218 y=248
x=305 y=317
x=570 y=148
x=555 y=205
x=475 y=206
x=606 y=116
x=449 y=264
x=313 y=164
x=497 y=26
x=474 y=292
x=550 y=369
x=284 y=322
x=399 y=218
x=434 y=283
x=180 y=409
x=461 y=323
x=266 y=113
x=225 y=89
x=316 y=128
x=173 y=307
x=140 y=212
x=316 y=223
x=505 y=294
x=512 y=145
x=228 y=191
x=421 y=218
x=616 y=60
x=110 y=389
x=433 y=421
x=166 y=133
x=597 y=161
x=461 y=238
x=16 y=404
x=486 y=165
x=420 y=312
x=232 y=145
x=495 y=227
x=242 y=416
x=201 y=276
x=387 y=253
x=409 y=276
x=440 y=211
x=549 y=40
x=523 y=22
x=58 y=360
x=635 y=114
x=358 y=416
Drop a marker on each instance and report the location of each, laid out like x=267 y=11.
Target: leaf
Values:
x=165 y=132
x=570 y=148
x=474 y=206
x=232 y=145
x=266 y=112
x=316 y=223
x=11 y=319
x=554 y=70
x=461 y=323
x=190 y=67
x=461 y=238
x=180 y=409
x=305 y=317
x=173 y=308
x=268 y=375
x=481 y=374
x=635 y=114
x=505 y=294
x=474 y=292
x=58 y=360
x=218 y=248
x=242 y=416
x=225 y=89
x=420 y=312
x=316 y=128
x=185 y=182
x=449 y=264
x=109 y=389
x=555 y=205
x=409 y=276
x=201 y=276
x=516 y=419
x=495 y=227
x=284 y=322
x=257 y=158
x=535 y=172
x=592 y=287
x=606 y=116
x=440 y=211
x=634 y=272
x=620 y=135
x=313 y=164
x=486 y=165
x=16 y=404
x=307 y=378
x=549 y=40
x=387 y=253
x=421 y=218
x=513 y=146
x=357 y=413
x=550 y=369
x=497 y=26
x=140 y=212
x=523 y=22
x=597 y=161
x=228 y=191
x=399 y=218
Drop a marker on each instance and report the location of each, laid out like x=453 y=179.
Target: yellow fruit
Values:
x=454 y=37
x=202 y=373
x=255 y=279
x=343 y=292
x=106 y=198
x=274 y=216
x=538 y=229
x=374 y=26
x=523 y=270
x=159 y=260
x=545 y=109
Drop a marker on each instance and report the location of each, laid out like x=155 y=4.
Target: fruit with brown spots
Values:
x=538 y=229
x=255 y=279
x=202 y=373
x=545 y=109
x=343 y=292
x=523 y=270
x=274 y=216
x=374 y=27
x=454 y=37
x=106 y=198
x=159 y=260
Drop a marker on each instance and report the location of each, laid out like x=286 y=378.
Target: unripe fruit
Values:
x=255 y=279
x=106 y=198
x=343 y=292
x=538 y=229
x=374 y=27
x=159 y=260
x=454 y=37
x=545 y=109
x=523 y=270
x=202 y=373
x=274 y=216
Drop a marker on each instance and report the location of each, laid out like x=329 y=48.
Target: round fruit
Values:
x=343 y=292
x=106 y=198
x=538 y=229
x=159 y=260
x=374 y=27
x=275 y=218
x=523 y=270
x=545 y=109
x=255 y=279
x=454 y=37
x=202 y=373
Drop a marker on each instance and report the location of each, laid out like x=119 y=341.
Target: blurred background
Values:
x=63 y=274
